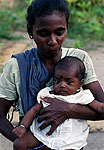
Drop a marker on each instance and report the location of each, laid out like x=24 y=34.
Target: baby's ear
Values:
x=81 y=82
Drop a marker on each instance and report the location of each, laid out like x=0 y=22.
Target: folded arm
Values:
x=98 y=104
x=58 y=111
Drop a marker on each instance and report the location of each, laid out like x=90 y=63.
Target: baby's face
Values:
x=65 y=82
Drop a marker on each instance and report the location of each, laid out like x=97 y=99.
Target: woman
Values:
x=26 y=73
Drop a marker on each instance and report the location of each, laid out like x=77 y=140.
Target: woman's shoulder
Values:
x=12 y=63
x=79 y=53
x=73 y=52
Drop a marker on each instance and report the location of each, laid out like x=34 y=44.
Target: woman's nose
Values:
x=52 y=41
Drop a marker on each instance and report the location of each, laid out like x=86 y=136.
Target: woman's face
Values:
x=49 y=33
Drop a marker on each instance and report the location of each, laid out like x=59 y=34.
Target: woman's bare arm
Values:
x=97 y=106
x=5 y=126
x=96 y=90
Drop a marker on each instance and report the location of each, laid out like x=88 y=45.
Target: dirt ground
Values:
x=96 y=51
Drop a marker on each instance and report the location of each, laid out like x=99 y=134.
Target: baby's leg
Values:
x=28 y=141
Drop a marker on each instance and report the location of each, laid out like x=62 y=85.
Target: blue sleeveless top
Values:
x=33 y=77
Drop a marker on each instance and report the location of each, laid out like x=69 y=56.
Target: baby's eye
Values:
x=68 y=81
x=57 y=81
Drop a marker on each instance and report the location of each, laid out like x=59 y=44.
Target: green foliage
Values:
x=87 y=19
x=1 y=44
x=5 y=23
x=77 y=44
x=10 y=21
x=28 y=1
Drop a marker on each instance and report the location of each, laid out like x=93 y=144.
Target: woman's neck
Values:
x=50 y=62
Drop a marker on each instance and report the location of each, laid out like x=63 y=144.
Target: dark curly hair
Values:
x=71 y=62
x=40 y=8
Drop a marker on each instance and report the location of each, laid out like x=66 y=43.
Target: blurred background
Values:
x=87 y=19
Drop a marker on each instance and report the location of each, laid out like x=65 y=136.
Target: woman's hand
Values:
x=58 y=111
x=54 y=114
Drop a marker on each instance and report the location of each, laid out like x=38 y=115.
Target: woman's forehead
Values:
x=55 y=18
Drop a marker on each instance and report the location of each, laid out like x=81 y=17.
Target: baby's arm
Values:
x=27 y=119
x=19 y=131
x=97 y=106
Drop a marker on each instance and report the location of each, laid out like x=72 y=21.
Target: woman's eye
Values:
x=43 y=33
x=60 y=32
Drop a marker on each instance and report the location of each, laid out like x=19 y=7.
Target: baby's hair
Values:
x=71 y=61
x=40 y=8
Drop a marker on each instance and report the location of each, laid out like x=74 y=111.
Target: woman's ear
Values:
x=29 y=30
x=31 y=37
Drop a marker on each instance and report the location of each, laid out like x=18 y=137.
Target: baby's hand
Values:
x=19 y=131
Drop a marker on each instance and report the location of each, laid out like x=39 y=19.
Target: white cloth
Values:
x=72 y=133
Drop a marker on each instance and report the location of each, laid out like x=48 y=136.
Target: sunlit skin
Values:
x=49 y=33
x=66 y=82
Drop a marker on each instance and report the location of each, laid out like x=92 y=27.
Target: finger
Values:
x=42 y=111
x=42 y=118
x=47 y=99
x=44 y=125
x=52 y=129
x=13 y=131
x=16 y=133
x=20 y=135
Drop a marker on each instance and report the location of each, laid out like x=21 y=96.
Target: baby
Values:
x=68 y=80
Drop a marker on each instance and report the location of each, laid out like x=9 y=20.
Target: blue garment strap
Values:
x=38 y=147
x=33 y=77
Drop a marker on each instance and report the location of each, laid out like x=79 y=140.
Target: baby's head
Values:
x=69 y=74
